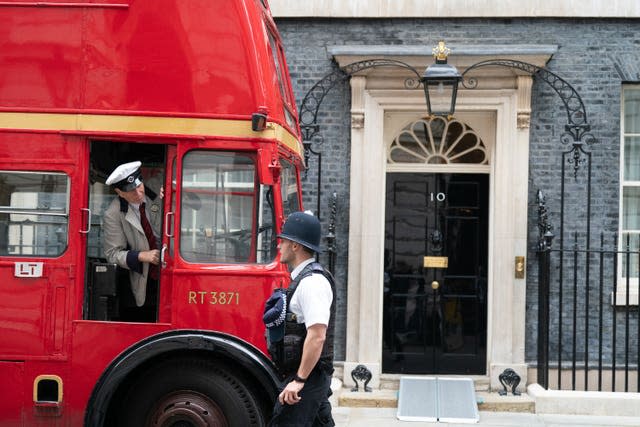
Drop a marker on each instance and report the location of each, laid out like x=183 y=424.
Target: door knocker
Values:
x=436 y=240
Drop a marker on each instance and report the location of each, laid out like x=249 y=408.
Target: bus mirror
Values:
x=259 y=121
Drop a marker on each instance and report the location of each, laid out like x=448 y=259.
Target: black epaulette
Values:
x=124 y=205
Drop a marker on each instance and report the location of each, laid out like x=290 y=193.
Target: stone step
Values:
x=495 y=403
x=386 y=398
x=374 y=399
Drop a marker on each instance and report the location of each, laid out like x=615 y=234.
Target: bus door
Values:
x=42 y=225
x=108 y=288
x=225 y=238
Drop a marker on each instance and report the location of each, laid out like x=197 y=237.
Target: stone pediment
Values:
x=461 y=56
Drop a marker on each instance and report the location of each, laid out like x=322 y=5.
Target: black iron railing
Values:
x=589 y=327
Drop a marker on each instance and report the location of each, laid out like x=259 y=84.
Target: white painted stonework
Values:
x=585 y=402
x=497 y=110
x=455 y=8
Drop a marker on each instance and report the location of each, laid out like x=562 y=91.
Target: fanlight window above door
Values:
x=437 y=141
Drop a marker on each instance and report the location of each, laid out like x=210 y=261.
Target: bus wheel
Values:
x=190 y=393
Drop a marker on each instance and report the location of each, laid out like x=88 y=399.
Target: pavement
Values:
x=386 y=417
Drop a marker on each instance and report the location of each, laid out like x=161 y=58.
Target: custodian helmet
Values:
x=303 y=228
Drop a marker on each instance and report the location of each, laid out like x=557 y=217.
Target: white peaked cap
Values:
x=123 y=172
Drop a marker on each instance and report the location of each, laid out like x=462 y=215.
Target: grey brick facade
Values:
x=596 y=56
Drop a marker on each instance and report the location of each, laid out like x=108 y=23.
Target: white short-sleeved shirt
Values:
x=311 y=302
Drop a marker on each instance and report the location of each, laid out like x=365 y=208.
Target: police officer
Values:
x=132 y=225
x=310 y=302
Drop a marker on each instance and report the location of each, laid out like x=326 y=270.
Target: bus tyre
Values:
x=190 y=393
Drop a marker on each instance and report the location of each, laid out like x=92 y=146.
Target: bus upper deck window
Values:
x=285 y=90
x=34 y=213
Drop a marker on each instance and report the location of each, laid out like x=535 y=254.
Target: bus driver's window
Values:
x=226 y=215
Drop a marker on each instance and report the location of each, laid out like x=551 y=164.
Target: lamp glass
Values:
x=441 y=96
x=440 y=82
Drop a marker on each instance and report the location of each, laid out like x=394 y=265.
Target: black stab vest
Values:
x=292 y=327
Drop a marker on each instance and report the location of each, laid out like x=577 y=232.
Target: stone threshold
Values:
x=385 y=398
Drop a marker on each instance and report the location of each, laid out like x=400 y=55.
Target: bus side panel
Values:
x=38 y=267
x=169 y=55
x=41 y=49
x=90 y=359
x=23 y=304
x=229 y=303
x=34 y=310
x=216 y=285
x=11 y=393
x=205 y=57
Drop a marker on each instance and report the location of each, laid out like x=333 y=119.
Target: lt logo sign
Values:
x=28 y=269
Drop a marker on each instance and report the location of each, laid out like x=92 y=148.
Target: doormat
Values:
x=434 y=399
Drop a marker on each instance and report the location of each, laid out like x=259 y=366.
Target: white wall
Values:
x=455 y=8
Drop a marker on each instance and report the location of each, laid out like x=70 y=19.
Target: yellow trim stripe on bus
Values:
x=145 y=125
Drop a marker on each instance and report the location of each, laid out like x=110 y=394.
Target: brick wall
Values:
x=595 y=56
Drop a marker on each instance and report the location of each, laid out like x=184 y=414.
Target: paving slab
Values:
x=386 y=417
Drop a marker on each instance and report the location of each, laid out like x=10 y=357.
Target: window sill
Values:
x=621 y=293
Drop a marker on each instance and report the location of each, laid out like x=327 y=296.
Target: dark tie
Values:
x=148 y=232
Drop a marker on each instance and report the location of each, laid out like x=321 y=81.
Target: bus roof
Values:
x=204 y=59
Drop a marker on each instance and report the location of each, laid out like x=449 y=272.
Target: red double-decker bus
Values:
x=199 y=92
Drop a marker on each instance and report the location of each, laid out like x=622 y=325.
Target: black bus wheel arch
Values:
x=192 y=391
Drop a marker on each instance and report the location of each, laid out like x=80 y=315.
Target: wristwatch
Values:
x=299 y=379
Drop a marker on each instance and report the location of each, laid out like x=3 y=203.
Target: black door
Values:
x=435 y=273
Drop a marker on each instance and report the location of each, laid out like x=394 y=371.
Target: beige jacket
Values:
x=123 y=232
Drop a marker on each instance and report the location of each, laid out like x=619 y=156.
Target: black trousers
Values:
x=313 y=409
x=129 y=311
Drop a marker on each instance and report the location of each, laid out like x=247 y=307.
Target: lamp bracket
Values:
x=577 y=128
x=313 y=98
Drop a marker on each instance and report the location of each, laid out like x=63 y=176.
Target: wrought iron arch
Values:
x=577 y=126
x=313 y=98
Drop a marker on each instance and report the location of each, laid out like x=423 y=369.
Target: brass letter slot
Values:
x=436 y=262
